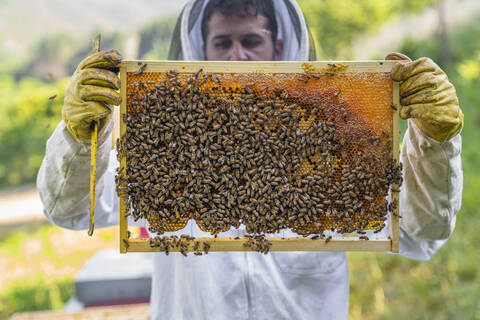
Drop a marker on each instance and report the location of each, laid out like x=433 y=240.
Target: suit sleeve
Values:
x=431 y=193
x=63 y=181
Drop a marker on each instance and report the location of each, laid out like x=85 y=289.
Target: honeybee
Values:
x=141 y=69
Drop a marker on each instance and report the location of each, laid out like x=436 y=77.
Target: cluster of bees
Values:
x=183 y=243
x=258 y=242
x=226 y=156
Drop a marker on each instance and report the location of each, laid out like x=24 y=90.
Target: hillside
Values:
x=24 y=21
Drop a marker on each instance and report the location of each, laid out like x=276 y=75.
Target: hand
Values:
x=427 y=96
x=91 y=93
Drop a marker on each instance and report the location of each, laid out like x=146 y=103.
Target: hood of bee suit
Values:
x=187 y=41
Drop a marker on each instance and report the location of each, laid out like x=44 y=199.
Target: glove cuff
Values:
x=440 y=132
x=83 y=134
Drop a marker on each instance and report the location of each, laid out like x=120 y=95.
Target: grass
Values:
x=38 y=262
x=36 y=293
x=393 y=287
x=448 y=286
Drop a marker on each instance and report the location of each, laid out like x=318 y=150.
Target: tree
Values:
x=336 y=23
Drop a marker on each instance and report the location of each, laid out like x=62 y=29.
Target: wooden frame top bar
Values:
x=259 y=66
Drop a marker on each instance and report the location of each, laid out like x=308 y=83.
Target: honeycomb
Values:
x=353 y=107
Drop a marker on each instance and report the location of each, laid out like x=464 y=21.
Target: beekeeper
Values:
x=250 y=285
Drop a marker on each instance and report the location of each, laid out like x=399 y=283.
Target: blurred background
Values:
x=41 y=43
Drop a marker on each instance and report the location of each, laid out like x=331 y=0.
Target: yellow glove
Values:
x=427 y=96
x=91 y=92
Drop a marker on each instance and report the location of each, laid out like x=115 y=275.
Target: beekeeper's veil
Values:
x=187 y=41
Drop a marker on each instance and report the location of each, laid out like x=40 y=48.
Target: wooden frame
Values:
x=389 y=243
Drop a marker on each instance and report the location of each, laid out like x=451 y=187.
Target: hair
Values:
x=241 y=8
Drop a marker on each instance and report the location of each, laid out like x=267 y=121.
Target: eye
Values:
x=252 y=42
x=223 y=44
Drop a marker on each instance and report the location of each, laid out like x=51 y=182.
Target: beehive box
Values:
x=306 y=147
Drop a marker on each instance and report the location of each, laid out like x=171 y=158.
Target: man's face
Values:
x=232 y=38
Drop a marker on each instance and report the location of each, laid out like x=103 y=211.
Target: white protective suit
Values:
x=250 y=285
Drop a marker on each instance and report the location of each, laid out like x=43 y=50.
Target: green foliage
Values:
x=37 y=266
x=27 y=119
x=51 y=53
x=34 y=294
x=10 y=62
x=13 y=238
x=58 y=55
x=463 y=72
x=336 y=23
x=463 y=45
x=391 y=287
x=110 y=40
x=155 y=39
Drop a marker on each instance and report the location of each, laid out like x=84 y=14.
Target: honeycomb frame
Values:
x=327 y=68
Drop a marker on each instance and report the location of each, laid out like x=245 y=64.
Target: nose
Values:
x=238 y=52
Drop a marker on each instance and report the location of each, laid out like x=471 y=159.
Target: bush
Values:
x=27 y=118
x=335 y=24
x=390 y=287
x=35 y=294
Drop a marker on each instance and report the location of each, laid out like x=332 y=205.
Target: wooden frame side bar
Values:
x=123 y=162
x=394 y=216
